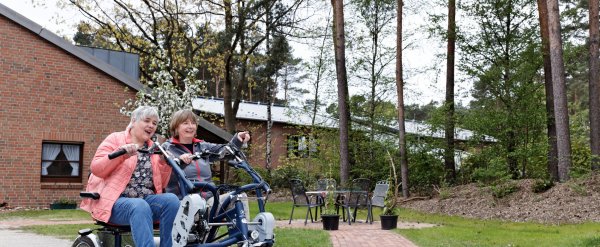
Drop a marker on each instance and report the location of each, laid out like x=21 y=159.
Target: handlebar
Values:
x=121 y=151
x=116 y=154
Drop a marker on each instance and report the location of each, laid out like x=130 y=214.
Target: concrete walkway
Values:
x=10 y=237
x=357 y=234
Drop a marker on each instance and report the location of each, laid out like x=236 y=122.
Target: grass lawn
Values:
x=458 y=231
x=452 y=231
x=283 y=237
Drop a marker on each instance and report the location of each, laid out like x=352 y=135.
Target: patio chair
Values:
x=300 y=199
x=358 y=197
x=378 y=197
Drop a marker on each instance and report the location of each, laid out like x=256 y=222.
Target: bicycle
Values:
x=197 y=224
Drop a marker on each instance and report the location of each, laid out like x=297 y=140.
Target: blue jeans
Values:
x=140 y=214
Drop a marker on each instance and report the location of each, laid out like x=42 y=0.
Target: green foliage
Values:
x=542 y=185
x=581 y=154
x=242 y=177
x=504 y=188
x=443 y=190
x=391 y=198
x=329 y=198
x=579 y=189
x=508 y=93
x=65 y=200
x=280 y=177
x=425 y=170
x=484 y=167
x=487 y=176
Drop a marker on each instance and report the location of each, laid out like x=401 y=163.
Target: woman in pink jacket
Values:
x=131 y=186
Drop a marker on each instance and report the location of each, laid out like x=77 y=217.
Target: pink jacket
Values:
x=110 y=177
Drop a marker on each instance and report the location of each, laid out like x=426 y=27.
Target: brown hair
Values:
x=178 y=118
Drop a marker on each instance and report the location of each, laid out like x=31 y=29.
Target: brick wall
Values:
x=258 y=130
x=48 y=94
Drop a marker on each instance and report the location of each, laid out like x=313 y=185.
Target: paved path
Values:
x=9 y=238
x=358 y=234
x=361 y=234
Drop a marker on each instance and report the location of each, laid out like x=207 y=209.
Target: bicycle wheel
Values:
x=83 y=241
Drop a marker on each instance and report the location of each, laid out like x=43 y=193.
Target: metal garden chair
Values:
x=378 y=197
x=300 y=199
x=358 y=197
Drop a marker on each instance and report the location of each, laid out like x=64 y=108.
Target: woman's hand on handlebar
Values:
x=244 y=136
x=130 y=149
x=186 y=158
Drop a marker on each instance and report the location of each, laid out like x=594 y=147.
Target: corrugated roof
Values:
x=299 y=116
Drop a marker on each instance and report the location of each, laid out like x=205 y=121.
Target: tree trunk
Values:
x=511 y=147
x=269 y=102
x=400 y=92
x=228 y=112
x=550 y=122
x=594 y=86
x=561 y=113
x=449 y=126
x=342 y=85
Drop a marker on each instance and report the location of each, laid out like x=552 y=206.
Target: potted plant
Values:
x=389 y=215
x=329 y=217
x=63 y=203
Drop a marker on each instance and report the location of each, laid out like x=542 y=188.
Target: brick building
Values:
x=57 y=103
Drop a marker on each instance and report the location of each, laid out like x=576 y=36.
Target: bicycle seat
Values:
x=96 y=196
x=123 y=228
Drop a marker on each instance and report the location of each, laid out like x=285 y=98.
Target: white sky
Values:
x=419 y=88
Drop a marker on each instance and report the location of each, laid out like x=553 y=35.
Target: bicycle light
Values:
x=254 y=235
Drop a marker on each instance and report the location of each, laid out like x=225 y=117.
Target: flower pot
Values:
x=389 y=222
x=63 y=206
x=330 y=221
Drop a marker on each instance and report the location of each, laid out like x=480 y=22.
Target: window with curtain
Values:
x=61 y=161
x=301 y=146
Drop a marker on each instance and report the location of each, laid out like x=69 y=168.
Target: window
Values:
x=61 y=161
x=302 y=146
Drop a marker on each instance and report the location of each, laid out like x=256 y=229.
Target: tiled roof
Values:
x=70 y=48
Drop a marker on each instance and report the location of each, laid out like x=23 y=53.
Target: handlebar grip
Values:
x=116 y=154
x=232 y=163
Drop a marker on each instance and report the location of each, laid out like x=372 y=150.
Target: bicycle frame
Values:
x=240 y=231
x=220 y=213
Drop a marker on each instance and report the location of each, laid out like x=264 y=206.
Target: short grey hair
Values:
x=142 y=112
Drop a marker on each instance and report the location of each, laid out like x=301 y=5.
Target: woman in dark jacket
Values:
x=183 y=144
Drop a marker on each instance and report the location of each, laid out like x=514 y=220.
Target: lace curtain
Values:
x=49 y=152
x=72 y=154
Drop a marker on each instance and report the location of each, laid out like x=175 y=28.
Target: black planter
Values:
x=330 y=221
x=389 y=222
x=63 y=206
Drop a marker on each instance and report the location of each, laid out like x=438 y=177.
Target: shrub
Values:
x=541 y=185
x=504 y=189
x=489 y=176
x=281 y=176
x=579 y=189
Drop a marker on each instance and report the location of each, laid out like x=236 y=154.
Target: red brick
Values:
x=48 y=94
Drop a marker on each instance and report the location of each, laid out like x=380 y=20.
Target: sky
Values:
x=420 y=88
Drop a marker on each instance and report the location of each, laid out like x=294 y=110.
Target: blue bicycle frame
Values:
x=220 y=213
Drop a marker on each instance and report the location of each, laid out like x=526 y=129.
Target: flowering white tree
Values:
x=166 y=97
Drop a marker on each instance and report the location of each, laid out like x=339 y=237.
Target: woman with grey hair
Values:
x=131 y=186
